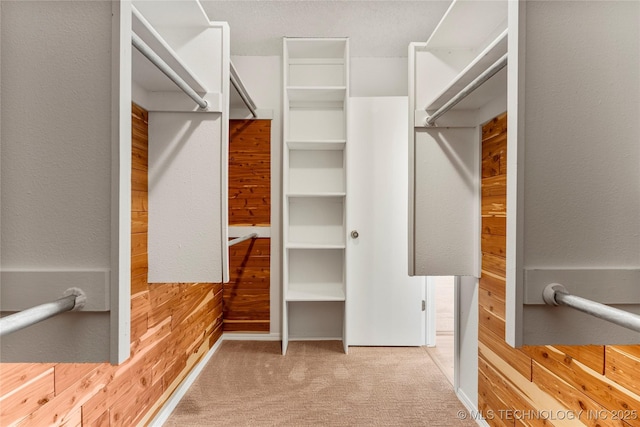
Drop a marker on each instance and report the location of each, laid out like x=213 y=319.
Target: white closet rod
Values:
x=476 y=83
x=144 y=49
x=31 y=316
x=242 y=239
x=556 y=294
x=242 y=91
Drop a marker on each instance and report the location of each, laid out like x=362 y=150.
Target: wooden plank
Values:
x=494 y=245
x=573 y=398
x=491 y=303
x=494 y=265
x=494 y=225
x=623 y=367
x=139 y=265
x=491 y=406
x=32 y=394
x=598 y=387
x=516 y=358
x=247 y=326
x=495 y=127
x=139 y=222
x=64 y=406
x=490 y=321
x=249 y=172
x=494 y=186
x=16 y=375
x=139 y=201
x=73 y=420
x=494 y=206
x=139 y=284
x=495 y=287
x=537 y=402
x=589 y=355
x=67 y=374
x=138 y=244
x=139 y=180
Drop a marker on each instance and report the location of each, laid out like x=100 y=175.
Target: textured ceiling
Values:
x=375 y=28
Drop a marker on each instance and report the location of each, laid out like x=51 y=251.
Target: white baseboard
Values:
x=175 y=398
x=242 y=336
x=474 y=413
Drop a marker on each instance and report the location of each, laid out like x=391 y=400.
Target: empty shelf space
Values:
x=316 y=220
x=316 y=171
x=316 y=123
x=316 y=275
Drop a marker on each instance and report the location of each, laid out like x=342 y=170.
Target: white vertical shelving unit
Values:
x=316 y=93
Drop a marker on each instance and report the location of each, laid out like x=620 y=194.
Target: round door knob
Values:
x=354 y=234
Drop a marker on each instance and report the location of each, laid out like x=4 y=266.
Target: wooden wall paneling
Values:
x=573 y=398
x=32 y=394
x=623 y=366
x=601 y=389
x=247 y=295
x=603 y=380
x=172 y=328
x=249 y=172
x=592 y=356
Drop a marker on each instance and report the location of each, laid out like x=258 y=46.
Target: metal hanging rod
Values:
x=14 y=322
x=476 y=83
x=556 y=294
x=242 y=91
x=242 y=239
x=144 y=49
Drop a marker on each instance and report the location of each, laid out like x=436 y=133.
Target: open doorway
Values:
x=441 y=332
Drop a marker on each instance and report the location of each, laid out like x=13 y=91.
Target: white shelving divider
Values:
x=452 y=58
x=316 y=96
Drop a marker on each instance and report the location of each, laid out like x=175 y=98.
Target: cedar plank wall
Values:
x=602 y=381
x=172 y=326
x=246 y=296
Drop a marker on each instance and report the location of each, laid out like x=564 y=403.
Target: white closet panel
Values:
x=184 y=198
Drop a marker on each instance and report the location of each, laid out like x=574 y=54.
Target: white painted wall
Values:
x=466 y=317
x=574 y=198
x=262 y=76
x=61 y=169
x=378 y=77
x=184 y=198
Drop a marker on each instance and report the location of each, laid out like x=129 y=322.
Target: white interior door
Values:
x=384 y=303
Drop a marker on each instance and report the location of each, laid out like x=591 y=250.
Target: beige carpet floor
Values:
x=249 y=383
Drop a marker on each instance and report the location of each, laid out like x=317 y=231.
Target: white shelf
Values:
x=316 y=292
x=316 y=61
x=315 y=72
x=303 y=195
x=468 y=24
x=317 y=93
x=314 y=246
x=147 y=75
x=484 y=60
x=328 y=144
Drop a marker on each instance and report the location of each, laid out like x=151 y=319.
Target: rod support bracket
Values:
x=549 y=293
x=81 y=298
